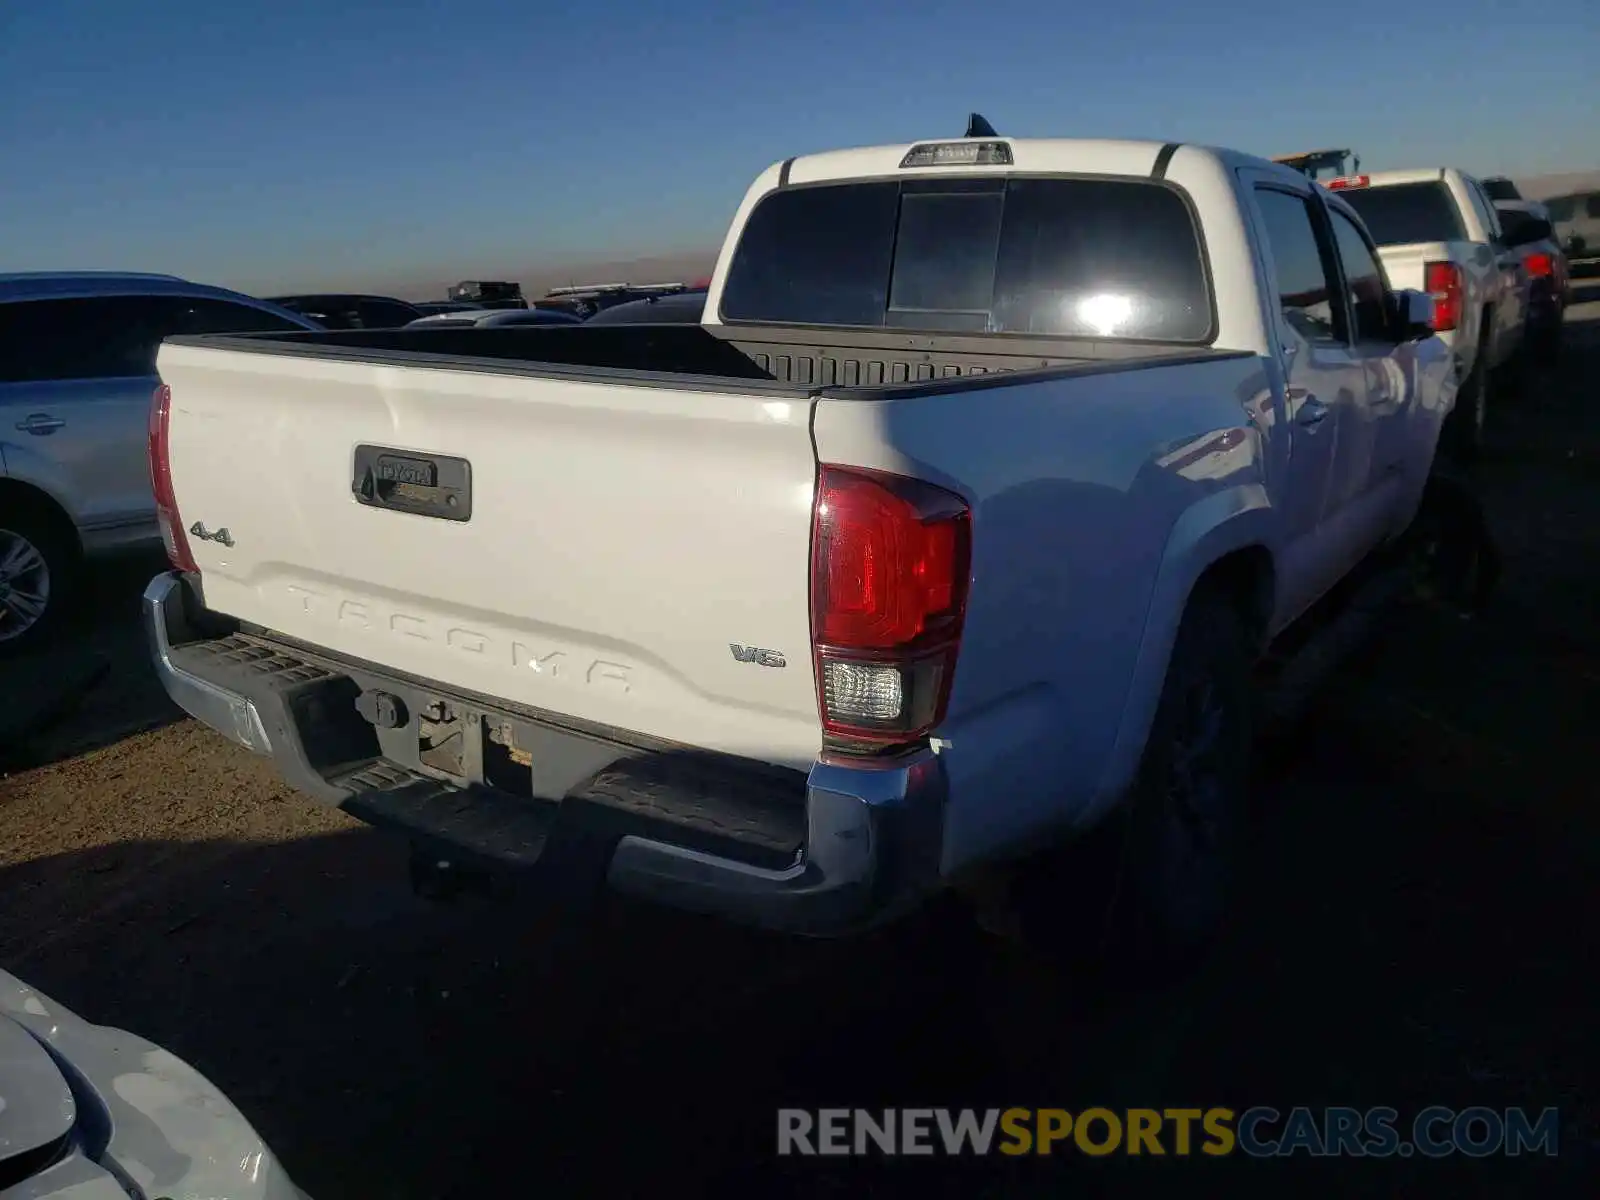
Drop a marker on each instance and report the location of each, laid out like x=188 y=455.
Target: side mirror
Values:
x=1413 y=315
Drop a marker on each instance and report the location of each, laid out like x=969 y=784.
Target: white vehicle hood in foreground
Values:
x=91 y=1113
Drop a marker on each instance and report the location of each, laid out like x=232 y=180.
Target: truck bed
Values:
x=763 y=358
x=588 y=523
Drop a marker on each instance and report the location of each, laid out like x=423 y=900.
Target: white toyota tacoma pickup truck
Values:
x=953 y=529
x=1438 y=231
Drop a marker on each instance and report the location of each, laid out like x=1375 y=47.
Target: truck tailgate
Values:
x=609 y=550
x=1403 y=264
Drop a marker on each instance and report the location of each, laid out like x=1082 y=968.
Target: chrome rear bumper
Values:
x=865 y=838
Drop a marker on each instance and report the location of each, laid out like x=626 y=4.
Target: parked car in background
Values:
x=677 y=308
x=954 y=528
x=432 y=308
x=1577 y=220
x=486 y=293
x=344 y=311
x=77 y=366
x=87 y=1111
x=1527 y=227
x=585 y=299
x=494 y=319
x=1438 y=232
x=1498 y=188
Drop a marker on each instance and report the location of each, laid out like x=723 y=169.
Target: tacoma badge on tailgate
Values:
x=425 y=485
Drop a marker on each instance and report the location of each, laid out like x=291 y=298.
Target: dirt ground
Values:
x=1420 y=908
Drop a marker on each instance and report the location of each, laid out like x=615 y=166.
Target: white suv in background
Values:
x=77 y=369
x=1437 y=231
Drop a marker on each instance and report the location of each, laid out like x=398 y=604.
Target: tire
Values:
x=1160 y=872
x=38 y=565
x=1462 y=435
x=1547 y=339
x=1449 y=548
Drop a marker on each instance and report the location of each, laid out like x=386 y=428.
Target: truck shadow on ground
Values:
x=91 y=684
x=1410 y=936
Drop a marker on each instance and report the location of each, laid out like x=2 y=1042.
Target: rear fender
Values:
x=22 y=465
x=1214 y=527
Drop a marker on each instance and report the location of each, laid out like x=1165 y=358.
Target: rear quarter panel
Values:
x=1096 y=502
x=27 y=464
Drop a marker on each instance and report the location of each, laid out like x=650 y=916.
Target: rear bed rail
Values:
x=786 y=360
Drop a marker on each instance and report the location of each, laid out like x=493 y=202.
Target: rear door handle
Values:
x=40 y=424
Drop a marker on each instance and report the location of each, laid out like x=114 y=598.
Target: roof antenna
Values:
x=978 y=127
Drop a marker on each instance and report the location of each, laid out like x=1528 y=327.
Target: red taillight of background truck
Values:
x=172 y=534
x=1442 y=281
x=890 y=559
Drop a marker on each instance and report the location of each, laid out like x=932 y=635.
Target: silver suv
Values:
x=77 y=368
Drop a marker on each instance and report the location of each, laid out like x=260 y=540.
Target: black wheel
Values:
x=1547 y=339
x=1147 y=893
x=1462 y=436
x=1451 y=553
x=37 y=565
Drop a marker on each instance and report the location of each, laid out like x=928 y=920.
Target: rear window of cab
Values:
x=1092 y=258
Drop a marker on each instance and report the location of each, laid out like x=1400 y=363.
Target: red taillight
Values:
x=890 y=558
x=1352 y=181
x=1442 y=281
x=161 y=482
x=1540 y=265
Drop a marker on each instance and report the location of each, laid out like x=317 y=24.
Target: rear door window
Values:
x=204 y=314
x=92 y=337
x=1043 y=256
x=331 y=312
x=383 y=314
x=1369 y=290
x=1301 y=267
x=1405 y=213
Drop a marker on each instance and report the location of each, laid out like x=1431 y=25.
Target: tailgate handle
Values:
x=412 y=481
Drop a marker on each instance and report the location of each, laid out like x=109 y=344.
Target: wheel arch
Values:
x=1226 y=542
x=1247 y=577
x=30 y=498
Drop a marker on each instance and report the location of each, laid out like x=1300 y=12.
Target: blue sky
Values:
x=327 y=142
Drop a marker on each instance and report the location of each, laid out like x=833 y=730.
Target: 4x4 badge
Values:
x=222 y=535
